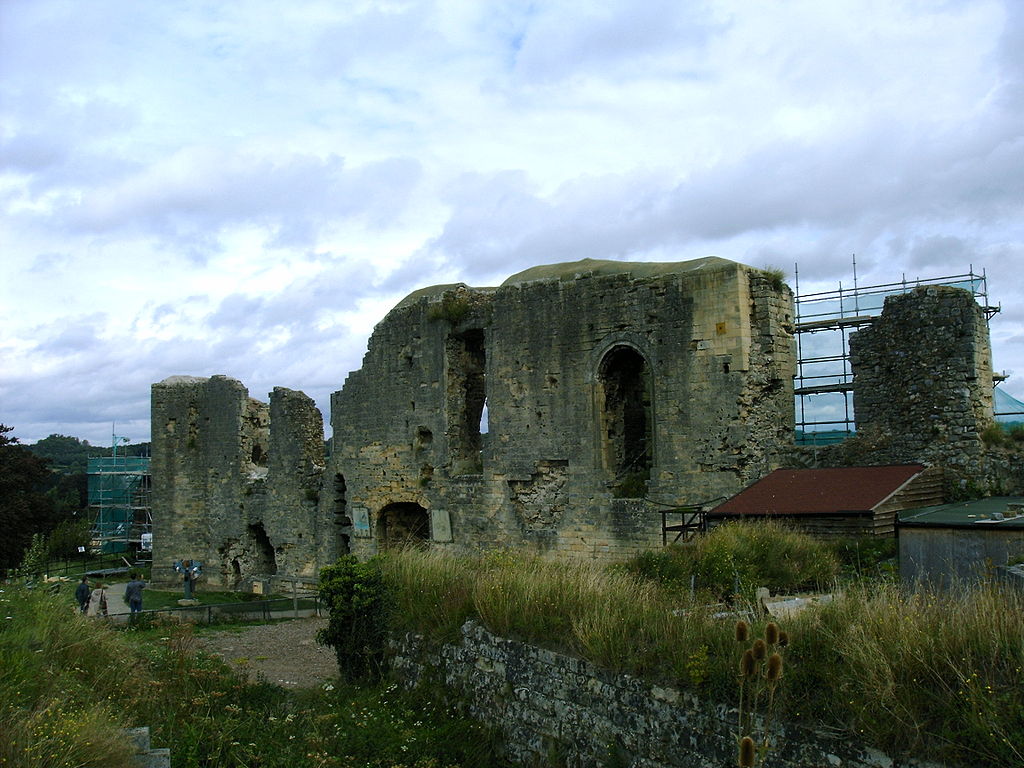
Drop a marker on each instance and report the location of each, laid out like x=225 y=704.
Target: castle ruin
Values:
x=562 y=411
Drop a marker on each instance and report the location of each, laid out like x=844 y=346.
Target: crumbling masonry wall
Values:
x=561 y=411
x=923 y=375
x=604 y=383
x=236 y=482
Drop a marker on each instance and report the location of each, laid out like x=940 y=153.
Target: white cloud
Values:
x=247 y=188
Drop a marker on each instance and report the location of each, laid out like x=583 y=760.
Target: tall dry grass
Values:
x=936 y=674
x=60 y=675
x=910 y=669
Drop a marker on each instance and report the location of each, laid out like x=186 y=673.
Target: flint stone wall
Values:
x=546 y=704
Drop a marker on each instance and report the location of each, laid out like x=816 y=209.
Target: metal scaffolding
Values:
x=119 y=491
x=824 y=321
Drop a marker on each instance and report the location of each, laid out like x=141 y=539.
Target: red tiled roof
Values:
x=819 y=491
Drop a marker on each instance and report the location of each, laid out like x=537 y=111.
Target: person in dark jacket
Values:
x=133 y=594
x=82 y=593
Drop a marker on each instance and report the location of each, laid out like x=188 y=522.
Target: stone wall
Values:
x=923 y=374
x=922 y=392
x=602 y=381
x=236 y=483
x=561 y=411
x=547 y=705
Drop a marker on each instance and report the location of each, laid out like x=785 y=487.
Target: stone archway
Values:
x=402 y=524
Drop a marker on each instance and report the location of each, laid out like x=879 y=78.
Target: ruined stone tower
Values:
x=604 y=383
x=561 y=411
x=236 y=483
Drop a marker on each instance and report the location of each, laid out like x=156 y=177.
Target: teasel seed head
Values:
x=774 y=671
x=771 y=633
x=742 y=631
x=783 y=638
x=746 y=752
x=760 y=649
x=748 y=666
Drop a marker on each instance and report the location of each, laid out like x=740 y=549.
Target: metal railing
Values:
x=250 y=610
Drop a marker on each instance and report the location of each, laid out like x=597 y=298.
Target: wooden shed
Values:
x=961 y=542
x=844 y=501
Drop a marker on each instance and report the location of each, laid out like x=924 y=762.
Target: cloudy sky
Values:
x=194 y=187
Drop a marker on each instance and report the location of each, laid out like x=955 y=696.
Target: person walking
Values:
x=133 y=593
x=82 y=593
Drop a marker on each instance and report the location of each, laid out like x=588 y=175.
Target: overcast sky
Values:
x=247 y=188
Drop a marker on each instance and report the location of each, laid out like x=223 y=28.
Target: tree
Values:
x=25 y=508
x=359 y=603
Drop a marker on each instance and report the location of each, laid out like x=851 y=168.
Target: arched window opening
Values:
x=467 y=393
x=341 y=516
x=626 y=423
x=403 y=524
x=261 y=551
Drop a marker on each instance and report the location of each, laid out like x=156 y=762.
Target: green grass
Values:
x=68 y=685
x=937 y=675
x=737 y=558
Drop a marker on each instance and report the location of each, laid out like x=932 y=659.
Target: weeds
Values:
x=935 y=675
x=737 y=558
x=759 y=675
x=69 y=685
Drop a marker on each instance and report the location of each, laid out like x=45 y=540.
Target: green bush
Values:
x=866 y=555
x=451 y=308
x=359 y=604
x=737 y=558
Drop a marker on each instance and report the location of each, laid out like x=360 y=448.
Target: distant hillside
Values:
x=69 y=455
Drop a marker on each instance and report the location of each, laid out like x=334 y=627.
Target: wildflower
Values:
x=748 y=665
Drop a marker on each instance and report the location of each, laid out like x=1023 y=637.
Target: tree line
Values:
x=44 y=491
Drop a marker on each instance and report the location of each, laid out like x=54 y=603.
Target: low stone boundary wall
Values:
x=556 y=709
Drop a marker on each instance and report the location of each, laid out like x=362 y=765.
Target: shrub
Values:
x=451 y=308
x=736 y=558
x=359 y=605
x=994 y=435
x=866 y=555
x=776 y=277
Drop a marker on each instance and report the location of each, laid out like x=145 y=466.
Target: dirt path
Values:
x=285 y=653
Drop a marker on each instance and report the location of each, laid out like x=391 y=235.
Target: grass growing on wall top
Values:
x=937 y=675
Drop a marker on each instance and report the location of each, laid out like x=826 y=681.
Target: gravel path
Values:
x=285 y=653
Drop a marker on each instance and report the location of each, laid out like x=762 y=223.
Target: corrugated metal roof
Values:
x=819 y=491
x=979 y=513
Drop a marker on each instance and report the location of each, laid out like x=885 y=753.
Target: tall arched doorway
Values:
x=402 y=524
x=626 y=419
